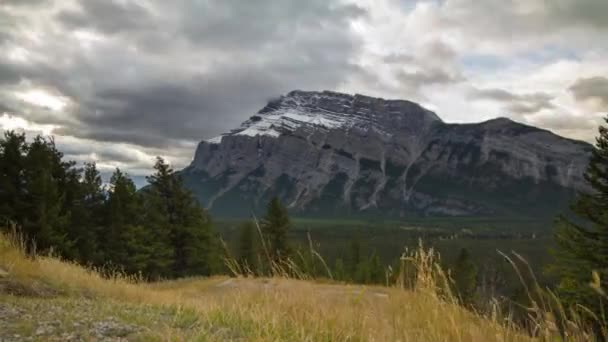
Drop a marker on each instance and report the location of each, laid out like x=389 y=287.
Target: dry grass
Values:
x=221 y=308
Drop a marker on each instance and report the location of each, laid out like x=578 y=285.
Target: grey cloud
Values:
x=567 y=124
x=9 y=73
x=219 y=25
x=108 y=16
x=431 y=54
x=44 y=73
x=142 y=83
x=418 y=79
x=7 y=23
x=493 y=94
x=120 y=156
x=566 y=121
x=591 y=88
x=591 y=13
x=439 y=50
x=137 y=159
x=6 y=109
x=193 y=107
x=515 y=103
x=238 y=24
x=529 y=108
x=399 y=58
x=499 y=26
x=15 y=3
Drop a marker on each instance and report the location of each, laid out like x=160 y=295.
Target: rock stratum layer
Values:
x=330 y=154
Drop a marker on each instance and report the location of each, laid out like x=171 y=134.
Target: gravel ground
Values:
x=52 y=320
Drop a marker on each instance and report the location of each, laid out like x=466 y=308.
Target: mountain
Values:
x=327 y=153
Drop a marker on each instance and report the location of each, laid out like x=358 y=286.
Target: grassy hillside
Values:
x=48 y=299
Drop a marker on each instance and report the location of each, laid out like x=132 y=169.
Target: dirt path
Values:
x=264 y=284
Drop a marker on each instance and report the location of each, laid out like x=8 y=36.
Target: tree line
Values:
x=158 y=231
x=263 y=249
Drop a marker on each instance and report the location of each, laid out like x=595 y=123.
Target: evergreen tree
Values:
x=376 y=269
x=465 y=276
x=192 y=238
x=12 y=177
x=121 y=220
x=362 y=273
x=247 y=248
x=275 y=226
x=38 y=191
x=160 y=232
x=339 y=270
x=159 y=259
x=131 y=239
x=355 y=257
x=582 y=241
x=87 y=217
x=47 y=220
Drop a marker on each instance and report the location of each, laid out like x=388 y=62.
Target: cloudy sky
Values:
x=120 y=81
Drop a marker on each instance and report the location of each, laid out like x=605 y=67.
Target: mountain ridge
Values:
x=328 y=153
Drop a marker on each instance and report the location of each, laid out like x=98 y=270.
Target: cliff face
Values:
x=326 y=153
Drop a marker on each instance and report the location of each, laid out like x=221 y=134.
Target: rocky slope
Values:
x=327 y=153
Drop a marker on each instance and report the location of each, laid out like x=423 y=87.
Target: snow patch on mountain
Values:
x=328 y=110
x=216 y=140
x=288 y=120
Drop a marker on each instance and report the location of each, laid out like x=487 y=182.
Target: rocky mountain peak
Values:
x=329 y=153
x=356 y=105
x=333 y=110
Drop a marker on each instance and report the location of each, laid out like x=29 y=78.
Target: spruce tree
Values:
x=376 y=269
x=192 y=240
x=158 y=238
x=121 y=217
x=355 y=258
x=582 y=241
x=87 y=217
x=363 y=272
x=339 y=271
x=129 y=240
x=47 y=220
x=39 y=192
x=247 y=256
x=275 y=225
x=465 y=276
x=12 y=177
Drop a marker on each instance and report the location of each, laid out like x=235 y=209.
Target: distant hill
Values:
x=330 y=154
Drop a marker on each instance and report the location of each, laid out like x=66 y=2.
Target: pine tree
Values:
x=582 y=241
x=195 y=251
x=12 y=177
x=355 y=257
x=275 y=226
x=129 y=240
x=121 y=217
x=362 y=273
x=339 y=270
x=247 y=255
x=88 y=215
x=47 y=220
x=465 y=276
x=376 y=269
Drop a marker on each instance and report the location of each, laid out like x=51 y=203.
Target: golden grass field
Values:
x=44 y=298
